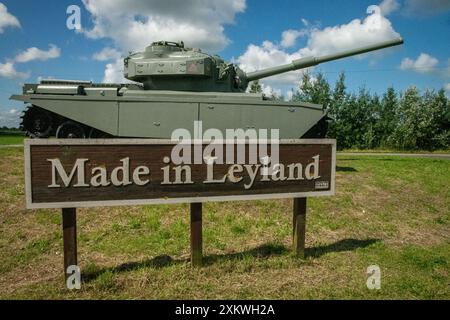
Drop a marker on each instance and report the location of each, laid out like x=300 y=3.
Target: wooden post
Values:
x=69 y=218
x=196 y=234
x=299 y=227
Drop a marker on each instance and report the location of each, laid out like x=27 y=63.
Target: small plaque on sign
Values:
x=321 y=185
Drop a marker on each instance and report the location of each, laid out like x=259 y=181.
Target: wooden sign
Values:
x=87 y=173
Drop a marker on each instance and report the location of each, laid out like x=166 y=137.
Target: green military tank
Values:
x=174 y=87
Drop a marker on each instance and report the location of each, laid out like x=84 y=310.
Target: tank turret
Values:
x=170 y=66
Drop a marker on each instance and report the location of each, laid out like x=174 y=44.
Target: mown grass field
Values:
x=389 y=211
x=385 y=150
x=10 y=139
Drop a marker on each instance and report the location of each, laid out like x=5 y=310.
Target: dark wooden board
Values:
x=151 y=154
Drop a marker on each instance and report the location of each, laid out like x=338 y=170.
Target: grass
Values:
x=11 y=139
x=385 y=150
x=16 y=138
x=390 y=211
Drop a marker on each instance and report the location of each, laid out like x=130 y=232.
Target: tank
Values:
x=173 y=87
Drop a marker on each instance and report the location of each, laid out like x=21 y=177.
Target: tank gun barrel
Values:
x=313 y=61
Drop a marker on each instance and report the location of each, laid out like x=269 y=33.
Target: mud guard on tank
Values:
x=292 y=120
x=99 y=114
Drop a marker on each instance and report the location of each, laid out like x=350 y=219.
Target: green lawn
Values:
x=384 y=150
x=9 y=139
x=390 y=211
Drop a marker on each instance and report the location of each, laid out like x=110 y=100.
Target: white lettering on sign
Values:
x=78 y=167
x=122 y=175
x=125 y=170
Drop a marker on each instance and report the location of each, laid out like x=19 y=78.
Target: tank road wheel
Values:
x=70 y=130
x=98 y=134
x=37 y=122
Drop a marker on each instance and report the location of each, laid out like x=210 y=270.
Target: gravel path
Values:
x=411 y=155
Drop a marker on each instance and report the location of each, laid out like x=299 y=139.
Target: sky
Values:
x=42 y=39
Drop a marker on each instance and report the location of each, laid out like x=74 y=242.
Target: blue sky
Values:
x=35 y=42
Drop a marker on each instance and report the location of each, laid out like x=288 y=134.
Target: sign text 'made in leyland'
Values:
x=76 y=173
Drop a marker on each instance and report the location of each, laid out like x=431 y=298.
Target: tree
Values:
x=407 y=128
x=314 y=90
x=362 y=123
x=434 y=123
x=421 y=121
x=338 y=100
x=374 y=128
x=255 y=87
x=388 y=119
x=407 y=120
x=442 y=120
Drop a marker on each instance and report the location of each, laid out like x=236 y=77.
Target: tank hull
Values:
x=156 y=114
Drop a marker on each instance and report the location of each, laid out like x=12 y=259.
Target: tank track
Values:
x=38 y=123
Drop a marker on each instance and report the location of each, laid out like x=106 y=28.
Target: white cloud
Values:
x=7 y=19
x=269 y=55
x=389 y=6
x=423 y=64
x=7 y=70
x=426 y=64
x=374 y=28
x=9 y=118
x=268 y=91
x=134 y=24
x=289 y=37
x=289 y=95
x=34 y=53
x=114 y=72
x=447 y=88
x=107 y=54
x=425 y=8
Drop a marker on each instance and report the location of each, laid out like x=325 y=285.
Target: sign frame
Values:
x=28 y=143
